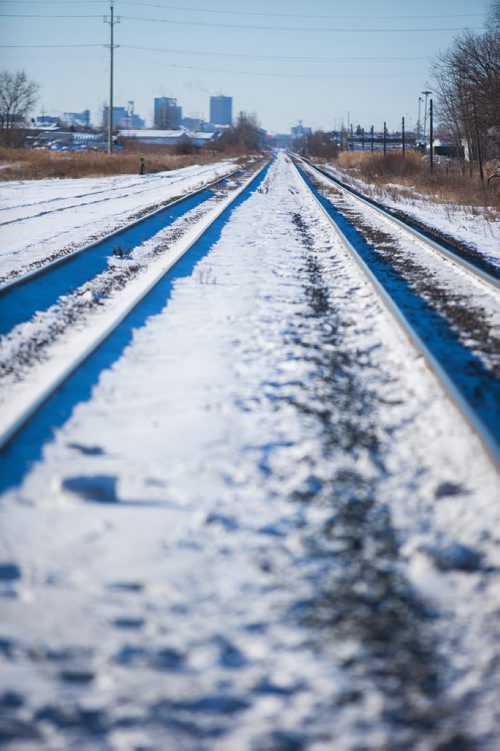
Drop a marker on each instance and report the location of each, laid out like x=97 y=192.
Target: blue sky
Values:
x=323 y=62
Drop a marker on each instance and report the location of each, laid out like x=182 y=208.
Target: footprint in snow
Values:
x=92 y=488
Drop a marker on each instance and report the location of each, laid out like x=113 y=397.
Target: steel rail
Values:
x=15 y=417
x=447 y=385
x=45 y=268
x=454 y=258
x=148 y=186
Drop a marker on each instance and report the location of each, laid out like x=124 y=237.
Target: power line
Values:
x=275 y=57
x=44 y=15
x=48 y=46
x=294 y=15
x=274 y=75
x=55 y=59
x=252 y=27
x=284 y=58
x=282 y=28
x=255 y=13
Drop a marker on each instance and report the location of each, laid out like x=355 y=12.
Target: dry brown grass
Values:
x=445 y=184
x=36 y=164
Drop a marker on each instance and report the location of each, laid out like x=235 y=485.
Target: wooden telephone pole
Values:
x=111 y=21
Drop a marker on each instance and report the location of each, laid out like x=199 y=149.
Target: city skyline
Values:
x=324 y=67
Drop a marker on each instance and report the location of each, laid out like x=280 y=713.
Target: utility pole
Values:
x=403 y=136
x=111 y=21
x=385 y=139
x=431 y=136
x=371 y=134
x=426 y=94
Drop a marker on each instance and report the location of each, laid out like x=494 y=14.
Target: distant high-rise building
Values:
x=167 y=114
x=221 y=110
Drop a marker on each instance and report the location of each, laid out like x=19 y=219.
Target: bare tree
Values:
x=493 y=19
x=17 y=97
x=467 y=85
x=246 y=133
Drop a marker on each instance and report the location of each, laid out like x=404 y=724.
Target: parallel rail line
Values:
x=47 y=267
x=17 y=413
x=491 y=278
x=448 y=385
x=91 y=194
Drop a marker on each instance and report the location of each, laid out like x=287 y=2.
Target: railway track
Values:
x=67 y=203
x=270 y=418
x=467 y=376
x=30 y=243
x=429 y=314
x=157 y=217
x=453 y=250
x=37 y=294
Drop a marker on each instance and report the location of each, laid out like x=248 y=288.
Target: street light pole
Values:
x=419 y=125
x=426 y=94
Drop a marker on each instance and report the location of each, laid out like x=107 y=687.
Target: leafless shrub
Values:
x=411 y=175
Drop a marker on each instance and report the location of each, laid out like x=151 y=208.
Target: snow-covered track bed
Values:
x=37 y=208
x=43 y=220
x=86 y=302
x=443 y=243
x=252 y=521
x=119 y=242
x=448 y=309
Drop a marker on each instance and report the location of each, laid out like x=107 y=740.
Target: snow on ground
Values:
x=265 y=530
x=477 y=227
x=41 y=217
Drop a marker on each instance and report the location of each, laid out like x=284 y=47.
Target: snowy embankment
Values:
x=476 y=227
x=42 y=219
x=266 y=529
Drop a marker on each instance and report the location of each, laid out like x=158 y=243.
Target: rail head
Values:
x=21 y=412
x=454 y=258
x=44 y=268
x=450 y=390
